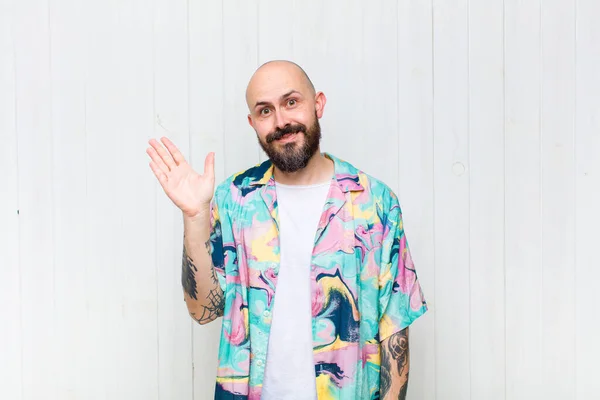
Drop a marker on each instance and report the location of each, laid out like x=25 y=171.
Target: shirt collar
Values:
x=346 y=175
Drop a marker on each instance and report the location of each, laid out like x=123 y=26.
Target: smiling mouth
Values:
x=287 y=135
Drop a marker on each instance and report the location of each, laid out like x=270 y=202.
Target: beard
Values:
x=293 y=156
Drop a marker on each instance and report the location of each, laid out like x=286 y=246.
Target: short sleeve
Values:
x=217 y=250
x=401 y=299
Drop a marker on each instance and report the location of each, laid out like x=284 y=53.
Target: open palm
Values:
x=189 y=190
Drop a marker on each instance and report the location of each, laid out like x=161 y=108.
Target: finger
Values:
x=177 y=156
x=160 y=175
x=157 y=160
x=209 y=165
x=166 y=157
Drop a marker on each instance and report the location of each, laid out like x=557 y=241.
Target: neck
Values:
x=319 y=169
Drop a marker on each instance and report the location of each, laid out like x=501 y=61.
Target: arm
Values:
x=394 y=366
x=202 y=294
x=192 y=193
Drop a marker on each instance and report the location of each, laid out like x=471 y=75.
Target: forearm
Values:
x=395 y=363
x=202 y=293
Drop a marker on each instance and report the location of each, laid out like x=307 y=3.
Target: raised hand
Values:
x=189 y=190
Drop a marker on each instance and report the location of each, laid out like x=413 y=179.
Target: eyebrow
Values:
x=266 y=103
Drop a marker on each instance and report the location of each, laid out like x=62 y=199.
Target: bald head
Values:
x=276 y=75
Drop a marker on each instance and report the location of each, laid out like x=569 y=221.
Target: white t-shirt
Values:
x=290 y=370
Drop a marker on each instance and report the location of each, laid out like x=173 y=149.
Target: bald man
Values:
x=304 y=256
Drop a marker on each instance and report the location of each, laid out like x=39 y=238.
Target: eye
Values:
x=291 y=102
x=264 y=111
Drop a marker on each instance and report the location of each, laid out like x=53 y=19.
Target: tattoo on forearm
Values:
x=397 y=352
x=398 y=346
x=403 y=390
x=213 y=274
x=385 y=377
x=215 y=298
x=214 y=309
x=188 y=276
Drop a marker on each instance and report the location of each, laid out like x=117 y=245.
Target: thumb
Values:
x=209 y=165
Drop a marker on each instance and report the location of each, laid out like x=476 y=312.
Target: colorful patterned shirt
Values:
x=363 y=282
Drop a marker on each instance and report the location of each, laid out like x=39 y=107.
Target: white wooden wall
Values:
x=484 y=116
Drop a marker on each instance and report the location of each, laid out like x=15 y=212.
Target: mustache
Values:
x=279 y=133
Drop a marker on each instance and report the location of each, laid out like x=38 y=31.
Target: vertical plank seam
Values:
x=504 y=182
x=20 y=280
x=52 y=176
x=575 y=186
x=363 y=69
x=222 y=141
x=86 y=215
x=190 y=161
x=86 y=151
x=257 y=21
x=469 y=191
x=541 y=181
x=398 y=173
x=432 y=4
x=293 y=31
x=153 y=119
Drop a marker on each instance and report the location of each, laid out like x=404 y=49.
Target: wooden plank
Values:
x=309 y=42
x=67 y=68
x=380 y=76
x=451 y=178
x=172 y=119
x=343 y=79
x=35 y=166
x=10 y=283
x=558 y=198
x=309 y=45
x=587 y=189
x=206 y=87
x=103 y=316
x=137 y=267
x=415 y=160
x=122 y=272
x=523 y=244
x=240 y=60
x=275 y=30
x=207 y=122
x=486 y=127
x=275 y=34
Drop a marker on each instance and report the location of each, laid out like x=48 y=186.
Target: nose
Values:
x=280 y=120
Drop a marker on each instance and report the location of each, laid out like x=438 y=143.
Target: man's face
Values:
x=285 y=116
x=291 y=147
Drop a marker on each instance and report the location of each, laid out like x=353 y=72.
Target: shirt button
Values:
x=259 y=363
x=266 y=313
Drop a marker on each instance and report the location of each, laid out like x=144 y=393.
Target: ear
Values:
x=320 y=101
x=250 y=120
